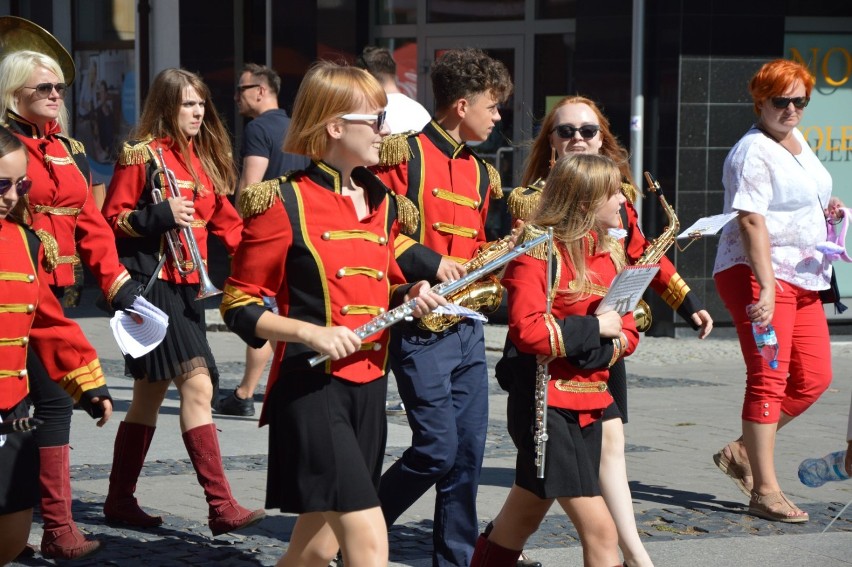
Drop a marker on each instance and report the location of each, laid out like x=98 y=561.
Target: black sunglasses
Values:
x=44 y=89
x=22 y=185
x=781 y=102
x=566 y=131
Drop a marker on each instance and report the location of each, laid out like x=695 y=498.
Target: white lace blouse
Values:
x=761 y=176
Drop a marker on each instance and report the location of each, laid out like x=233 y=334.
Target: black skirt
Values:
x=572 y=454
x=326 y=443
x=185 y=345
x=19 y=465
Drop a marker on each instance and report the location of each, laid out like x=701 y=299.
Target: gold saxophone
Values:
x=483 y=295
x=658 y=247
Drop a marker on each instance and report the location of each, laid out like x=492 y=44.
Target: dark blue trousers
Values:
x=443 y=382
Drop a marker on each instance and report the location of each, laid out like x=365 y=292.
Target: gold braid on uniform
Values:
x=523 y=201
x=540 y=250
x=260 y=196
x=51 y=249
x=494 y=181
x=406 y=213
x=76 y=146
x=135 y=153
x=395 y=149
x=629 y=191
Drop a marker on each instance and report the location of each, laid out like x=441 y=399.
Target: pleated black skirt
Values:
x=185 y=346
x=326 y=443
x=572 y=455
x=19 y=463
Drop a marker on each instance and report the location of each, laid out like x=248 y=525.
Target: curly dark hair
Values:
x=465 y=73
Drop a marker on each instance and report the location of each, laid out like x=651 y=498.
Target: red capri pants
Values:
x=804 y=356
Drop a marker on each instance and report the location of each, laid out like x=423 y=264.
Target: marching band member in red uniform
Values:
x=576 y=125
x=582 y=203
x=176 y=108
x=31 y=317
x=321 y=242
x=442 y=376
x=72 y=229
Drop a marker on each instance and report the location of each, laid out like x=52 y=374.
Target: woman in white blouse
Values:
x=768 y=270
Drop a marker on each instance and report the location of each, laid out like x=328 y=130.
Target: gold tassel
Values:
x=395 y=149
x=407 y=214
x=135 y=153
x=260 y=196
x=77 y=146
x=523 y=201
x=494 y=181
x=51 y=249
x=629 y=191
x=531 y=232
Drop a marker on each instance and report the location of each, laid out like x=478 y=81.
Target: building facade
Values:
x=696 y=59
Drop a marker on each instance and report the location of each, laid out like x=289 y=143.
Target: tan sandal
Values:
x=775 y=507
x=738 y=470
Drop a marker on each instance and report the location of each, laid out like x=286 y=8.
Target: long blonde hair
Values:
x=15 y=71
x=577 y=186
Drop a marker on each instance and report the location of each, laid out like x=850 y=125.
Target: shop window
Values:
x=554 y=9
x=389 y=12
x=440 y=11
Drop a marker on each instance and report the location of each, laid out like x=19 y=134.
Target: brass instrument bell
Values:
x=18 y=34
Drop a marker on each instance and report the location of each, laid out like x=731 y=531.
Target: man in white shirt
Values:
x=404 y=113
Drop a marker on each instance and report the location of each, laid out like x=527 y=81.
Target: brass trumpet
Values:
x=195 y=262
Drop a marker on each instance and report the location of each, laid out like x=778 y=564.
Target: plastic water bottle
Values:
x=816 y=472
x=767 y=343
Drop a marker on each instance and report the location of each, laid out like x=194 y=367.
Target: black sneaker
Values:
x=230 y=404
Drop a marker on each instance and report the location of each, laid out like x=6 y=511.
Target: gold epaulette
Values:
x=395 y=149
x=406 y=213
x=259 y=196
x=51 y=249
x=530 y=232
x=76 y=146
x=494 y=181
x=135 y=152
x=629 y=191
x=523 y=201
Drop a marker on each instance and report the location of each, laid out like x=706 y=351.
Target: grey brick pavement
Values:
x=684 y=404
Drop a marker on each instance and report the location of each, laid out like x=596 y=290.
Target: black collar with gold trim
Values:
x=329 y=177
x=20 y=125
x=443 y=141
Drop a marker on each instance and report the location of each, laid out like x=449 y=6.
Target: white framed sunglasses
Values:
x=379 y=118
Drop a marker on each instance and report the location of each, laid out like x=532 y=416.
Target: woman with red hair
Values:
x=768 y=270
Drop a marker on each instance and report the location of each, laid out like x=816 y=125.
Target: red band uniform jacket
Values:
x=304 y=245
x=571 y=332
x=31 y=317
x=667 y=283
x=449 y=185
x=63 y=210
x=140 y=224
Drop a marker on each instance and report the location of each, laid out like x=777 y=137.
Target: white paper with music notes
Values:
x=707 y=226
x=137 y=339
x=627 y=288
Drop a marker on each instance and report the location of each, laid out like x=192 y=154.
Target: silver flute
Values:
x=404 y=311
x=542 y=376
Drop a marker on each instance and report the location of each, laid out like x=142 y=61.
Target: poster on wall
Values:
x=105 y=106
x=827 y=122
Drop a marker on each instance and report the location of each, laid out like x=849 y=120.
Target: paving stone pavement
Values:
x=685 y=398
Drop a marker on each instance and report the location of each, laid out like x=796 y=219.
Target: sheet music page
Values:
x=627 y=288
x=707 y=226
x=138 y=339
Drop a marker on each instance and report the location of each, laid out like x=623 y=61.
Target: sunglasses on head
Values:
x=566 y=131
x=782 y=102
x=44 y=89
x=378 y=118
x=22 y=186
